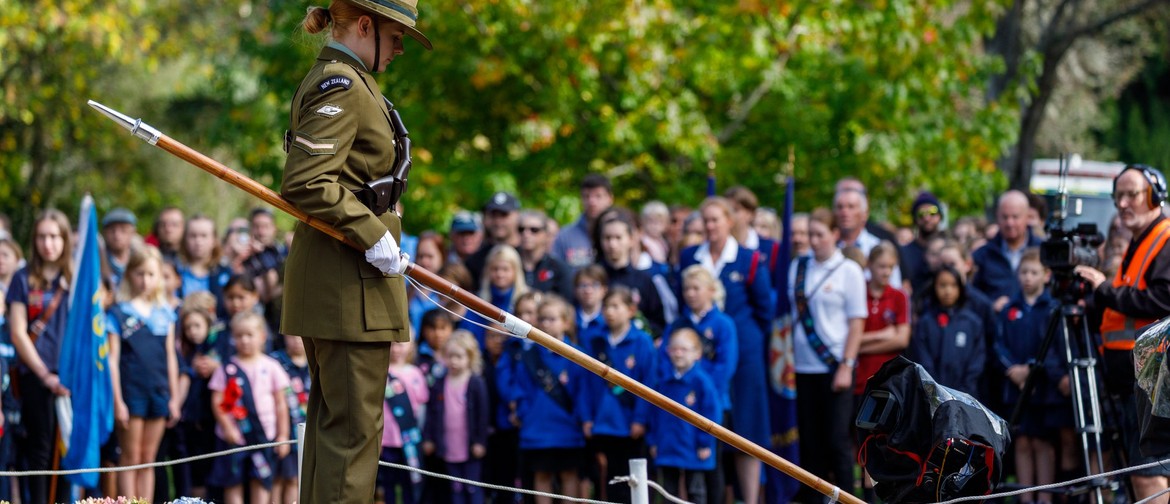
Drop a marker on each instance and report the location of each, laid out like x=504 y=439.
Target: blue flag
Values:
x=780 y=487
x=84 y=366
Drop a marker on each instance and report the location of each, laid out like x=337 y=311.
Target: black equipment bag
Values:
x=923 y=442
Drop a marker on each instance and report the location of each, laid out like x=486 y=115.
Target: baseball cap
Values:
x=119 y=216
x=503 y=202
x=465 y=222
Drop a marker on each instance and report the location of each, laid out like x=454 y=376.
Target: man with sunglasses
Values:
x=542 y=271
x=928 y=218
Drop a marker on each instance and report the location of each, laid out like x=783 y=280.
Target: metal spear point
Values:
x=509 y=322
x=136 y=126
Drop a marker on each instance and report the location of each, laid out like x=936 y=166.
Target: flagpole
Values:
x=510 y=322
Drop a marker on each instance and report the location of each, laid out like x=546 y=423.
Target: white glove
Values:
x=386 y=256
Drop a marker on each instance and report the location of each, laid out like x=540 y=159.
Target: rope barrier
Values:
x=1051 y=486
x=489 y=485
x=658 y=488
x=151 y=465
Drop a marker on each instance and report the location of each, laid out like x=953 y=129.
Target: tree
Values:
x=1034 y=60
x=59 y=54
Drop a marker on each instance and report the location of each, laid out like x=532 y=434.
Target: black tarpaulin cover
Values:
x=923 y=442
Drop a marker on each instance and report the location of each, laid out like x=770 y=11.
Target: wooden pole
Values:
x=486 y=309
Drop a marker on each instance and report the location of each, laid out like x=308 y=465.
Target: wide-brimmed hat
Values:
x=403 y=11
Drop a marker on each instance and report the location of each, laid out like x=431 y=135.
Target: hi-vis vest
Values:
x=1118 y=331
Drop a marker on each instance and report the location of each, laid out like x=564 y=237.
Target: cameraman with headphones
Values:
x=1138 y=295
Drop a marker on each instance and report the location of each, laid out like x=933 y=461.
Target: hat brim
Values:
x=395 y=15
x=417 y=35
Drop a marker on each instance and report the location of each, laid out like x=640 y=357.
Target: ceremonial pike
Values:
x=509 y=322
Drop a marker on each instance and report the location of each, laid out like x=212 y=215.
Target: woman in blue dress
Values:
x=748 y=290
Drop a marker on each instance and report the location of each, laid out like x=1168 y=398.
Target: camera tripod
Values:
x=1080 y=354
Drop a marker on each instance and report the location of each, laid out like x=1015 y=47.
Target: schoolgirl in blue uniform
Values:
x=296 y=364
x=748 y=289
x=142 y=340
x=548 y=389
x=10 y=257
x=198 y=328
x=612 y=417
x=37 y=311
x=701 y=295
x=199 y=266
x=948 y=340
x=501 y=465
x=680 y=449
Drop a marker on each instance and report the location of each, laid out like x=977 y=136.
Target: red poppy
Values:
x=1014 y=314
x=231 y=396
x=544 y=275
x=943 y=319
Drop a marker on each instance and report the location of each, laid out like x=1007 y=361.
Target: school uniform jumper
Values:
x=749 y=303
x=1023 y=328
x=720 y=342
x=948 y=343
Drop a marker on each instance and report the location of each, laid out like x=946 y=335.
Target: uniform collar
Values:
x=337 y=51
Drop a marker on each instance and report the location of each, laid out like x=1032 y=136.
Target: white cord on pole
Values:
x=489 y=485
x=66 y=472
x=1152 y=497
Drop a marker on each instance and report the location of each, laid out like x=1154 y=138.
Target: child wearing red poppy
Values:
x=250 y=407
x=949 y=338
x=1024 y=324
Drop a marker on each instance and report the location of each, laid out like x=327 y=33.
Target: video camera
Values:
x=1065 y=249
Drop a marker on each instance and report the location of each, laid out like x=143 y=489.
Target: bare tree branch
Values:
x=1108 y=20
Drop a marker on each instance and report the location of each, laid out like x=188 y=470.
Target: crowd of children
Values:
x=201 y=365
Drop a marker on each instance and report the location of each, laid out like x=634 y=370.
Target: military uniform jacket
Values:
x=340 y=137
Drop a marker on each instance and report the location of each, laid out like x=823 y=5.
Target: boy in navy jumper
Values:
x=679 y=449
x=589 y=288
x=1024 y=323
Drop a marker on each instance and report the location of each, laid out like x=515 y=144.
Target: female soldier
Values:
x=347 y=305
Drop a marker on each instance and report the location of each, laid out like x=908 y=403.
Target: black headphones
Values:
x=1156 y=191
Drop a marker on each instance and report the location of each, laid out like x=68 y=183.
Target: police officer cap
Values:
x=465 y=222
x=502 y=202
x=403 y=11
x=119 y=216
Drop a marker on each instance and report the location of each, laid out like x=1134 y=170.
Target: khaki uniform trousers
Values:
x=343 y=435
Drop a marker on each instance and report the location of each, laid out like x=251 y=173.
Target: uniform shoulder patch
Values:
x=334 y=82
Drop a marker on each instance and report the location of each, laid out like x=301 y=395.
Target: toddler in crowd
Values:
x=142 y=342
x=250 y=407
x=458 y=417
x=680 y=450
x=403 y=409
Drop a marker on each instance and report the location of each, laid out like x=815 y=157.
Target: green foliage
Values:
x=528 y=96
x=1142 y=116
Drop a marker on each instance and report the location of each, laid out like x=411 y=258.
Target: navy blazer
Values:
x=953 y=353
x=478 y=414
x=994 y=275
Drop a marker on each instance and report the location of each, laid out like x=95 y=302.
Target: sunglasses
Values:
x=928 y=212
x=530 y=229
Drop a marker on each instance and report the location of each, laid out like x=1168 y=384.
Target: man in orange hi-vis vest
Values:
x=1138 y=295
